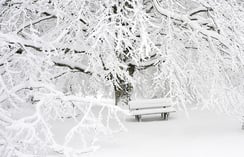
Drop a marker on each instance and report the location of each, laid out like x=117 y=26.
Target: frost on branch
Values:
x=204 y=53
x=31 y=104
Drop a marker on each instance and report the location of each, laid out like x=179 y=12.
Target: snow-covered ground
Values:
x=203 y=134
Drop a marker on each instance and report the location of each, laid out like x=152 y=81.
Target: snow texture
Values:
x=202 y=134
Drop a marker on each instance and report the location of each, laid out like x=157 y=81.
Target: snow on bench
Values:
x=141 y=107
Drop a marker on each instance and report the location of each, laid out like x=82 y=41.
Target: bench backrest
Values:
x=150 y=103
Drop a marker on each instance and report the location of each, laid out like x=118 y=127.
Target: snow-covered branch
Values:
x=185 y=19
x=71 y=65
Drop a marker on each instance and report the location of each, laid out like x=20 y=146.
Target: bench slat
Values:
x=152 y=111
x=150 y=103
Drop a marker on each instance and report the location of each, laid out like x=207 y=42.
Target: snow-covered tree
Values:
x=55 y=54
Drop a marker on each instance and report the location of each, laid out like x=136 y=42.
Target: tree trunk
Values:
x=124 y=91
x=123 y=94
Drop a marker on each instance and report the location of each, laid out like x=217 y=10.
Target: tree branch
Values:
x=71 y=65
x=198 y=10
x=193 y=24
x=147 y=63
x=62 y=63
x=36 y=22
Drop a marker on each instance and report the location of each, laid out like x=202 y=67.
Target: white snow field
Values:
x=203 y=134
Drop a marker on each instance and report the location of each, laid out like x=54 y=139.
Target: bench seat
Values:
x=151 y=111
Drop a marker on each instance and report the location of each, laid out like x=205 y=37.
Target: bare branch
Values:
x=71 y=65
x=198 y=10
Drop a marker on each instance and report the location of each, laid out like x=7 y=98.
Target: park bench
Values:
x=141 y=107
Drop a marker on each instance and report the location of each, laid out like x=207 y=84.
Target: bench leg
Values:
x=166 y=116
x=162 y=116
x=138 y=118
